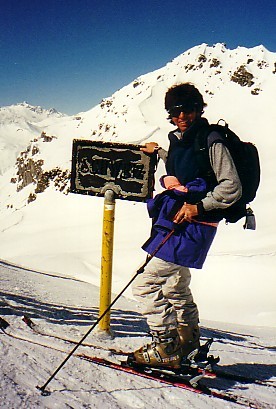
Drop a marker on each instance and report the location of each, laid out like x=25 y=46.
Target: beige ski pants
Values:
x=163 y=289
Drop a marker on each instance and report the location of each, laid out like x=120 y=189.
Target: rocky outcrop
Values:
x=29 y=166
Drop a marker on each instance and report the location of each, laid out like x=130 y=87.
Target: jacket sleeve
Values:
x=162 y=154
x=229 y=188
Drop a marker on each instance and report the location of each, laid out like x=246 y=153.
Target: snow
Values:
x=67 y=307
x=52 y=246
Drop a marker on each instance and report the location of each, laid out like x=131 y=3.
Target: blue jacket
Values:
x=190 y=243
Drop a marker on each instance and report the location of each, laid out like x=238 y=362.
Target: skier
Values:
x=192 y=204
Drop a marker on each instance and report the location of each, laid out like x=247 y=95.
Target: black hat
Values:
x=186 y=95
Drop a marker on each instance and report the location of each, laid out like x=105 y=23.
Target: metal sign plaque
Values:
x=98 y=166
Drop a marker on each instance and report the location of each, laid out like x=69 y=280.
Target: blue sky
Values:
x=69 y=54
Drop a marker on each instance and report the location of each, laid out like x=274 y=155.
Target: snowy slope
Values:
x=45 y=229
x=67 y=307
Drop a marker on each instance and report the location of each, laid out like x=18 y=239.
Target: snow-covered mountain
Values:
x=18 y=125
x=44 y=227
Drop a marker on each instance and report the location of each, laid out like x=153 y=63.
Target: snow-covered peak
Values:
x=259 y=57
x=25 y=112
x=19 y=124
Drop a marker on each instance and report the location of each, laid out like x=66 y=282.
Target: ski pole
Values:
x=139 y=271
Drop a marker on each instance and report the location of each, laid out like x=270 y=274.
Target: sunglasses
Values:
x=176 y=110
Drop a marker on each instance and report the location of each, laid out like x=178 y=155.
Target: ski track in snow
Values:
x=66 y=307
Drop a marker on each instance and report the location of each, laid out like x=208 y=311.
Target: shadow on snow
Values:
x=122 y=322
x=131 y=324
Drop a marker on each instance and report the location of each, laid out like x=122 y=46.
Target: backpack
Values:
x=246 y=159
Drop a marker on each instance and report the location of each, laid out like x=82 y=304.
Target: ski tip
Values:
x=3 y=324
x=28 y=321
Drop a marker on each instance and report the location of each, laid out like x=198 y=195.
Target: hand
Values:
x=186 y=213
x=149 y=147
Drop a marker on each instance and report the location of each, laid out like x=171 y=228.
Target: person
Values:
x=191 y=204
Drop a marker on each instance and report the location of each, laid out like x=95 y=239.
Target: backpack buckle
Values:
x=250 y=220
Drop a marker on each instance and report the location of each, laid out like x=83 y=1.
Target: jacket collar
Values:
x=189 y=134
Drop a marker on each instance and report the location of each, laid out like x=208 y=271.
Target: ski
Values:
x=188 y=377
x=7 y=329
x=212 y=370
x=190 y=382
x=41 y=331
x=34 y=327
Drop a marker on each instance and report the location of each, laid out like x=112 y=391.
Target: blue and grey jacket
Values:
x=191 y=242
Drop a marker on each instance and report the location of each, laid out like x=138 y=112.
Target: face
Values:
x=184 y=120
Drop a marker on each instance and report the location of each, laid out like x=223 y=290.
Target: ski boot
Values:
x=164 y=351
x=189 y=338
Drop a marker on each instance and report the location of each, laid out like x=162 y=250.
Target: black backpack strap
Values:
x=215 y=137
x=204 y=139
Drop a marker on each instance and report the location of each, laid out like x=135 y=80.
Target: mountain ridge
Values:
x=134 y=113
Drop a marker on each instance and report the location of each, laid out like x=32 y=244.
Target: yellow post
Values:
x=107 y=256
